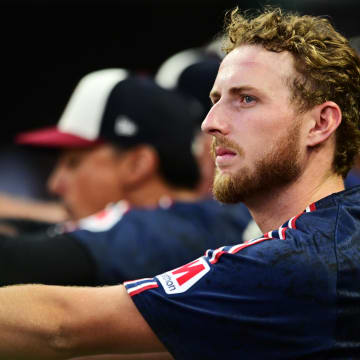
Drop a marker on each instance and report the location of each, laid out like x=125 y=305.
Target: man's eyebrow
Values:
x=214 y=94
x=238 y=89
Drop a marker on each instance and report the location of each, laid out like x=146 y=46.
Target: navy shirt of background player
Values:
x=122 y=243
x=128 y=243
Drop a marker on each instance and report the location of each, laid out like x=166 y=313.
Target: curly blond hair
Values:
x=328 y=67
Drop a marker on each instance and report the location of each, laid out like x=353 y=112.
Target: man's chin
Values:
x=70 y=212
x=226 y=189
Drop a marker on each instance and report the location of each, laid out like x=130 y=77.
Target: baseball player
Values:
x=286 y=129
x=192 y=72
x=138 y=159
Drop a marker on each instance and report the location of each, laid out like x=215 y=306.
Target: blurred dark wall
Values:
x=47 y=46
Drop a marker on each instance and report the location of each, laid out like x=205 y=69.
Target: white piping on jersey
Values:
x=149 y=284
x=215 y=252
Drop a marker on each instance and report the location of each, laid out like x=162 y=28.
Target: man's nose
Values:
x=216 y=121
x=56 y=183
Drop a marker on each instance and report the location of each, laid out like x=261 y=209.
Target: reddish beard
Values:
x=279 y=167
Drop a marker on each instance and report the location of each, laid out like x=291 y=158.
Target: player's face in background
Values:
x=87 y=180
x=202 y=146
x=256 y=144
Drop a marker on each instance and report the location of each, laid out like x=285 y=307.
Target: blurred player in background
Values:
x=192 y=72
x=126 y=143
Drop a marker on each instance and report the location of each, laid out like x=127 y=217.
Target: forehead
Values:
x=75 y=151
x=254 y=66
x=88 y=153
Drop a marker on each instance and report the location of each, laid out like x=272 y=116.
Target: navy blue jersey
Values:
x=293 y=293
x=352 y=178
x=132 y=243
x=121 y=243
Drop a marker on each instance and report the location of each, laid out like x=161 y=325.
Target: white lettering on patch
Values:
x=181 y=279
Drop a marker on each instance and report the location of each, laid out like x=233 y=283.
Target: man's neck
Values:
x=273 y=210
x=155 y=190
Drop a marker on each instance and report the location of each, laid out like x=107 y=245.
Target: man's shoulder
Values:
x=290 y=245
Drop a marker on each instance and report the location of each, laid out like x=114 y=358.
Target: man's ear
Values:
x=140 y=163
x=325 y=120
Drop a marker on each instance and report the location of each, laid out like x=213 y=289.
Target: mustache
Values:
x=224 y=142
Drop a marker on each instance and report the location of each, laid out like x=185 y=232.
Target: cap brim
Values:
x=53 y=137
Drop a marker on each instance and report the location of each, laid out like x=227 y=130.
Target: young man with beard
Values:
x=284 y=101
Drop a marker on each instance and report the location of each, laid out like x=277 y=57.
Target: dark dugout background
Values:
x=47 y=46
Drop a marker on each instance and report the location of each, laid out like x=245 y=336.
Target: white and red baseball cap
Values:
x=113 y=105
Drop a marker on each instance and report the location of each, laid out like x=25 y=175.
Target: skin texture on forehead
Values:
x=264 y=74
x=252 y=70
x=281 y=65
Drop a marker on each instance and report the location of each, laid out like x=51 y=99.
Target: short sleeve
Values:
x=232 y=299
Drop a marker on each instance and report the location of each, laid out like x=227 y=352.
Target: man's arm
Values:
x=53 y=322
x=16 y=207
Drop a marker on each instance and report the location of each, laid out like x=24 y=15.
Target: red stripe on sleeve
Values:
x=138 y=291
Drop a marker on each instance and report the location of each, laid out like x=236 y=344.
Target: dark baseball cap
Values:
x=191 y=72
x=112 y=105
x=198 y=79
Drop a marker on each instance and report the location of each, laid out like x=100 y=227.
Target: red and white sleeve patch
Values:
x=184 y=277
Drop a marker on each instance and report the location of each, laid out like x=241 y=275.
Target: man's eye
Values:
x=247 y=99
x=73 y=162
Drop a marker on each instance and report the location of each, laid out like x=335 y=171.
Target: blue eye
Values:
x=247 y=99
